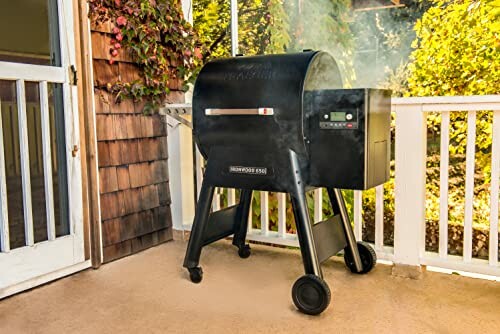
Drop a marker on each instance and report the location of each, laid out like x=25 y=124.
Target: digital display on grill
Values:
x=337 y=116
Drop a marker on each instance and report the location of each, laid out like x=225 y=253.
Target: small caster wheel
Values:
x=311 y=295
x=196 y=274
x=368 y=258
x=244 y=251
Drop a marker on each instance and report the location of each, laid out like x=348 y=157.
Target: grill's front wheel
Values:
x=311 y=295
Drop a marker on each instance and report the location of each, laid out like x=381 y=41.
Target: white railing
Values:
x=410 y=190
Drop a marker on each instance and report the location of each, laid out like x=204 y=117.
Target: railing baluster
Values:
x=469 y=184
x=318 y=205
x=216 y=200
x=264 y=212
x=250 y=218
x=25 y=163
x=379 y=217
x=231 y=196
x=199 y=172
x=281 y=214
x=358 y=215
x=47 y=160
x=4 y=215
x=443 y=184
x=495 y=176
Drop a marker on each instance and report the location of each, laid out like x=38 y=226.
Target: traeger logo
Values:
x=248 y=170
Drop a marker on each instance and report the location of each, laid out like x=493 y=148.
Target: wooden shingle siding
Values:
x=105 y=127
x=105 y=26
x=111 y=232
x=131 y=246
x=108 y=180
x=164 y=193
x=129 y=152
x=104 y=72
x=132 y=151
x=101 y=46
x=101 y=102
x=111 y=205
x=128 y=72
x=123 y=177
x=132 y=157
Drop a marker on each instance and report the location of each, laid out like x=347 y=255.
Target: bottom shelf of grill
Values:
x=220 y=224
x=329 y=237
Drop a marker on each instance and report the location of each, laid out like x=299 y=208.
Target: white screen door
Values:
x=41 y=225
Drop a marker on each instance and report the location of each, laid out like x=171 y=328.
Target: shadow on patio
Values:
x=151 y=292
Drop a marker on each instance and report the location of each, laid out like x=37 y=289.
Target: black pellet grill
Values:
x=283 y=123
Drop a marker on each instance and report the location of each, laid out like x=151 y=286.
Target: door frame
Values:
x=90 y=166
x=43 y=262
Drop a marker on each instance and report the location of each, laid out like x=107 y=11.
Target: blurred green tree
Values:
x=277 y=26
x=382 y=44
x=323 y=25
x=457 y=52
x=262 y=26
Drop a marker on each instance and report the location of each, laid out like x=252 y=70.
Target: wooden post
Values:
x=89 y=161
x=181 y=164
x=409 y=225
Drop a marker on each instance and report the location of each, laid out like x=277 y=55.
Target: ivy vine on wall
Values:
x=162 y=43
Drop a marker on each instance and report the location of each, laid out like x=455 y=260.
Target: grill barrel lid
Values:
x=233 y=96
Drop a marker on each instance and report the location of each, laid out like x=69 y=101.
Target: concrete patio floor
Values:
x=151 y=292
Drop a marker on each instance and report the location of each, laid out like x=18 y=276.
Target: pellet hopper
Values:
x=283 y=123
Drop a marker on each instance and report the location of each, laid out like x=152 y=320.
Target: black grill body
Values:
x=283 y=123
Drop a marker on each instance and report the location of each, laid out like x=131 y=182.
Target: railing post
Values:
x=409 y=225
x=180 y=165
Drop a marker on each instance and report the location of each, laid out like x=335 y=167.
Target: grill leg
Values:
x=240 y=233
x=310 y=293
x=303 y=221
x=195 y=244
x=305 y=235
x=338 y=205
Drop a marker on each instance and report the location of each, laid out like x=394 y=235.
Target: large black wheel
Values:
x=368 y=258
x=196 y=274
x=311 y=295
x=244 y=251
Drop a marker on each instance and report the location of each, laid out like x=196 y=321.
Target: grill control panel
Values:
x=339 y=119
